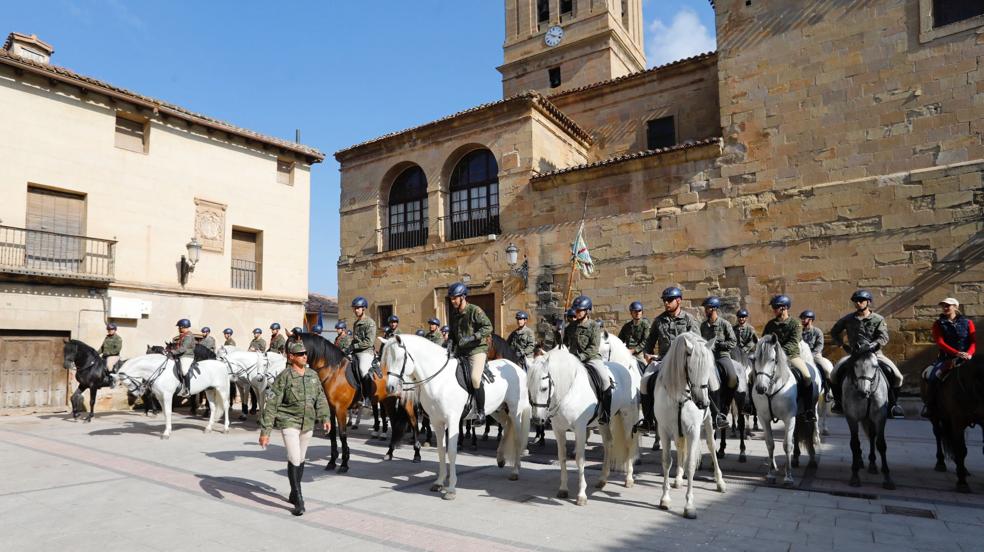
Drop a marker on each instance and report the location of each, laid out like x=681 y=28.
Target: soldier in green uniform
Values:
x=744 y=333
x=813 y=337
x=111 y=346
x=434 y=332
x=470 y=328
x=278 y=343
x=342 y=338
x=295 y=405
x=522 y=339
x=363 y=340
x=392 y=327
x=207 y=340
x=258 y=344
x=790 y=333
x=670 y=323
x=582 y=338
x=229 y=341
x=867 y=332
x=295 y=333
x=183 y=347
x=445 y=331
x=716 y=328
x=634 y=333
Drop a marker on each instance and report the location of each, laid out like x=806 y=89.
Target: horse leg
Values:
x=959 y=454
x=872 y=435
x=514 y=432
x=488 y=428
x=210 y=396
x=856 y=458
x=887 y=484
x=77 y=401
x=500 y=454
x=770 y=447
x=580 y=438
x=709 y=433
x=343 y=437
x=693 y=454
x=441 y=445
x=337 y=420
x=681 y=464
x=375 y=419
x=741 y=436
x=940 y=462
x=411 y=416
x=224 y=403
x=724 y=443
x=561 y=438
x=606 y=463
x=657 y=443
x=167 y=399
x=92 y=403
x=451 y=492
x=788 y=443
x=244 y=388
x=667 y=464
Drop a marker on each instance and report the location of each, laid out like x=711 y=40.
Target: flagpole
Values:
x=570 y=281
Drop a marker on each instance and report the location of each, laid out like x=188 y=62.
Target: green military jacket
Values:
x=746 y=337
x=363 y=334
x=344 y=342
x=633 y=334
x=470 y=322
x=184 y=345
x=209 y=342
x=871 y=329
x=258 y=344
x=722 y=334
x=435 y=337
x=111 y=346
x=583 y=339
x=522 y=340
x=814 y=338
x=294 y=401
x=278 y=344
x=229 y=342
x=666 y=328
x=789 y=332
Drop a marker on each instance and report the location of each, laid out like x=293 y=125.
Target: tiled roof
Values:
x=698 y=57
x=89 y=83
x=531 y=96
x=628 y=157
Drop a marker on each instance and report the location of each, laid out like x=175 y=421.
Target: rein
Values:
x=768 y=396
x=403 y=369
x=687 y=398
x=144 y=384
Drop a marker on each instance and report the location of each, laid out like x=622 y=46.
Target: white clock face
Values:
x=554 y=35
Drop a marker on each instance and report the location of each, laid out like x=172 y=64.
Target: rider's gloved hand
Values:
x=465 y=340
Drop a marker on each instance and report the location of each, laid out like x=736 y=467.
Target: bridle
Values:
x=403 y=369
x=141 y=384
x=772 y=381
x=688 y=397
x=550 y=394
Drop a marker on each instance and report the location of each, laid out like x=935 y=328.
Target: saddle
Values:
x=464 y=377
x=367 y=386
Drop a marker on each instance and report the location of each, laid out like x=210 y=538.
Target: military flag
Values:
x=581 y=256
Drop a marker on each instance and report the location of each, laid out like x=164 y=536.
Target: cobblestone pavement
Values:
x=114 y=484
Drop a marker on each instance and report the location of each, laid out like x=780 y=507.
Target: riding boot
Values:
x=929 y=407
x=299 y=505
x=720 y=418
x=479 y=406
x=292 y=477
x=606 y=407
x=805 y=397
x=835 y=387
x=894 y=410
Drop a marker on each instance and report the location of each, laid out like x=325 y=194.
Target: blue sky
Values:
x=342 y=71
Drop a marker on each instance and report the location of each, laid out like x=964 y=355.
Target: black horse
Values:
x=90 y=371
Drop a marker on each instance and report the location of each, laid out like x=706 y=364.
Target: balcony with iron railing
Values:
x=472 y=223
x=245 y=274
x=39 y=253
x=403 y=236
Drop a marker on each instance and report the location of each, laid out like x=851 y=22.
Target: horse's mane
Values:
x=504 y=350
x=673 y=374
x=204 y=353
x=740 y=356
x=82 y=347
x=617 y=345
x=768 y=348
x=562 y=366
x=321 y=352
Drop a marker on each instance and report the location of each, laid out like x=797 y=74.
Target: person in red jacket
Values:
x=956 y=337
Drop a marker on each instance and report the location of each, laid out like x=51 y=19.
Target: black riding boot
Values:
x=720 y=418
x=835 y=387
x=805 y=390
x=479 y=406
x=606 y=407
x=894 y=410
x=292 y=477
x=299 y=503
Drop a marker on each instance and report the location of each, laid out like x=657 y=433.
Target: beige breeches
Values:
x=296 y=443
x=477 y=361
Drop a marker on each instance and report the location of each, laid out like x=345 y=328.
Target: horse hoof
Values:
x=563 y=494
x=720 y=454
x=388 y=456
x=242 y=417
x=629 y=483
x=812 y=465
x=582 y=501
x=940 y=467
x=721 y=487
x=855 y=481
x=657 y=447
x=343 y=469
x=664 y=505
x=513 y=477
x=690 y=514
x=600 y=484
x=449 y=496
x=825 y=432
x=796 y=462
x=416 y=459
x=500 y=463
x=436 y=488
x=788 y=482
x=888 y=485
x=742 y=458
x=165 y=437
x=872 y=468
x=963 y=487
x=473 y=448
x=770 y=479
x=674 y=484
x=374 y=434
x=330 y=467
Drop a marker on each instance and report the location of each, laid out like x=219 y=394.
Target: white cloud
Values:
x=684 y=37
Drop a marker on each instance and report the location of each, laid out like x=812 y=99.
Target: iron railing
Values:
x=472 y=223
x=245 y=274
x=403 y=236
x=43 y=253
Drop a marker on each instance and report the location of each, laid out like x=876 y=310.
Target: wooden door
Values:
x=32 y=372
x=485 y=301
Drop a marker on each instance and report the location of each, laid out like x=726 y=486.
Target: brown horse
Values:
x=960 y=403
x=330 y=363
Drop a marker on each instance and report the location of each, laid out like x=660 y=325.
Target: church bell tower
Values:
x=556 y=45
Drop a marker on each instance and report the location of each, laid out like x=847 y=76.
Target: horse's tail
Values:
x=806 y=433
x=946 y=439
x=621 y=452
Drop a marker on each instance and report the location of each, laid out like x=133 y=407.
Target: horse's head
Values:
x=541 y=387
x=155 y=350
x=396 y=362
x=765 y=363
x=866 y=373
x=69 y=351
x=700 y=361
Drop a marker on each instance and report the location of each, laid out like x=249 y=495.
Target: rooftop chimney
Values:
x=29 y=47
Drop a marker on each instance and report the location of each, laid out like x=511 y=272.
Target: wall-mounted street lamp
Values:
x=188 y=262
x=512 y=257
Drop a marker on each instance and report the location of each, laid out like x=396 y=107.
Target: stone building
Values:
x=107 y=194
x=824 y=146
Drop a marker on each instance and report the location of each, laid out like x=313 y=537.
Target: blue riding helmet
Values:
x=570 y=313
x=317 y=329
x=862 y=295
x=340 y=325
x=421 y=333
x=110 y=326
x=360 y=301
x=522 y=315
x=206 y=329
x=257 y=331
x=184 y=323
x=445 y=329
x=672 y=293
x=434 y=322
x=780 y=301
x=275 y=326
x=227 y=331
x=296 y=330
x=742 y=313
x=581 y=302
x=713 y=302
x=808 y=314
x=635 y=306
x=393 y=318
x=458 y=289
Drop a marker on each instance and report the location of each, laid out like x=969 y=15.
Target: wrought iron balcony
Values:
x=403 y=236
x=53 y=255
x=472 y=223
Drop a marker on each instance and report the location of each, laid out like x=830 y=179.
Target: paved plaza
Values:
x=114 y=484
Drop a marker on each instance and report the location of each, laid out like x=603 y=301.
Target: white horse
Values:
x=681 y=403
x=560 y=390
x=252 y=369
x=775 y=397
x=159 y=374
x=414 y=364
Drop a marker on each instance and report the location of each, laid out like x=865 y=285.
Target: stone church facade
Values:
x=823 y=147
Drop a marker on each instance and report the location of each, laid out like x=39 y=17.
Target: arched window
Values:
x=407 y=210
x=474 y=189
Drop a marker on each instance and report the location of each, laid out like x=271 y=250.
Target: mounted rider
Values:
x=813 y=337
x=956 y=337
x=445 y=332
x=317 y=329
x=111 y=346
x=342 y=338
x=434 y=332
x=183 y=348
x=789 y=334
x=634 y=333
x=258 y=344
x=294 y=334
x=207 y=340
x=392 y=327
x=522 y=339
x=278 y=344
x=363 y=341
x=718 y=329
x=229 y=341
x=867 y=333
x=470 y=328
x=745 y=335
x=582 y=337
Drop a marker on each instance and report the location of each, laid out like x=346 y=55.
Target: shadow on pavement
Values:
x=254 y=491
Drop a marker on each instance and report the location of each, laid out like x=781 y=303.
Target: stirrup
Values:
x=896 y=411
